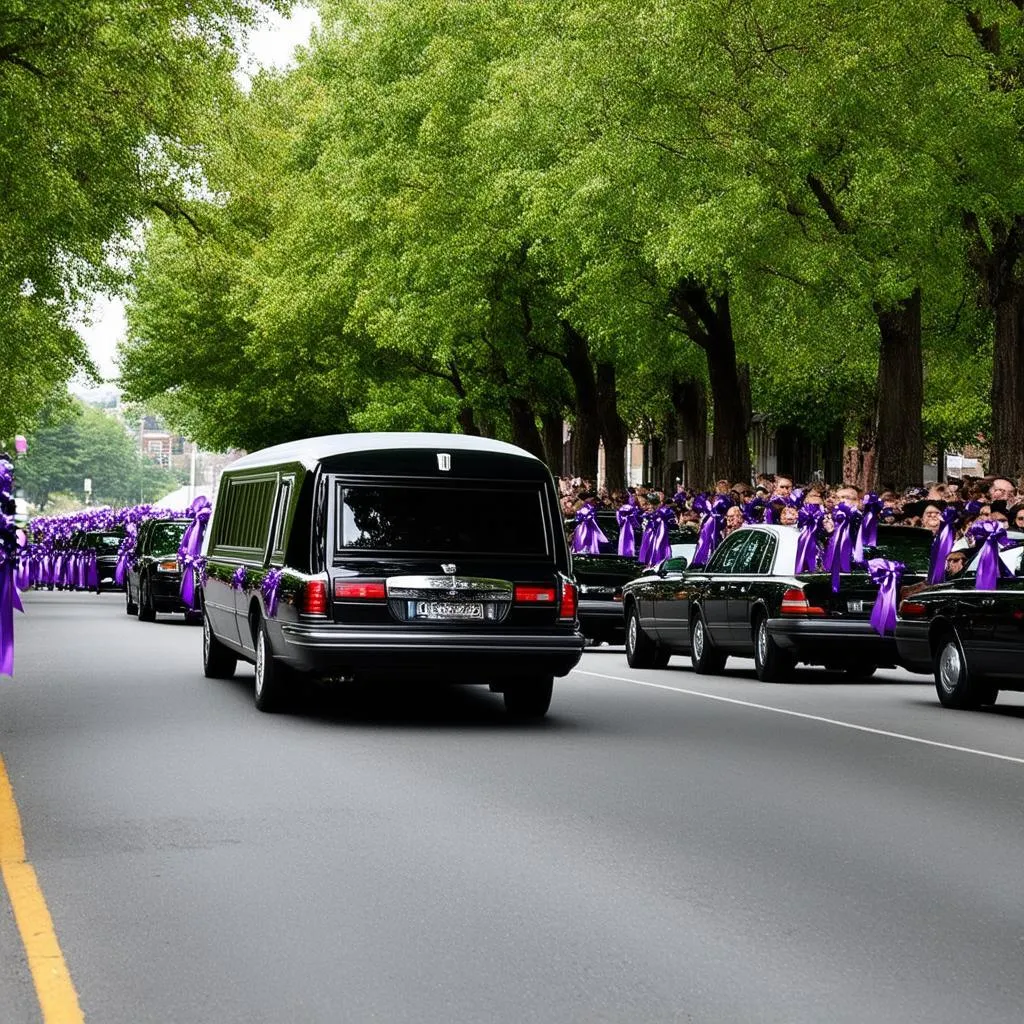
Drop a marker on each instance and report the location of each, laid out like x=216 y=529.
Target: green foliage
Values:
x=83 y=443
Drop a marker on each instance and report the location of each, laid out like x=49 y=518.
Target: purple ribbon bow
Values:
x=191 y=543
x=125 y=551
x=9 y=599
x=942 y=545
x=588 y=537
x=269 y=586
x=628 y=518
x=809 y=523
x=839 y=553
x=871 y=508
x=238 y=578
x=655 y=546
x=990 y=537
x=887 y=576
x=711 y=526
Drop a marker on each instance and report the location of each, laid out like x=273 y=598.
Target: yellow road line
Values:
x=57 y=997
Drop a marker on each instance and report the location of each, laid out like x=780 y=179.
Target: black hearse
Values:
x=426 y=557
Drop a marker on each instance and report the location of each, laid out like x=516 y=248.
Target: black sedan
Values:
x=601 y=578
x=971 y=639
x=106 y=544
x=153 y=580
x=748 y=601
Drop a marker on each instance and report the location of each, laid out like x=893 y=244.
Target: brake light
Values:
x=794 y=602
x=912 y=609
x=360 y=591
x=568 y=606
x=534 y=595
x=314 y=598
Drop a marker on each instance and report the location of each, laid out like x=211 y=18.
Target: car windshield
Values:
x=104 y=543
x=166 y=537
x=912 y=547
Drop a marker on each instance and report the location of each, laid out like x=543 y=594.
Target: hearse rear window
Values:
x=440 y=520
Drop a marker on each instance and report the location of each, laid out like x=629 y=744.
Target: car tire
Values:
x=771 y=663
x=707 y=659
x=130 y=607
x=641 y=650
x=529 y=700
x=219 y=662
x=272 y=689
x=146 y=611
x=955 y=685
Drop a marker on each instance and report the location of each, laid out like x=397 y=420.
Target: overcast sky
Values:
x=272 y=46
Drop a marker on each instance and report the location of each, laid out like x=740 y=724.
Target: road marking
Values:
x=802 y=714
x=57 y=997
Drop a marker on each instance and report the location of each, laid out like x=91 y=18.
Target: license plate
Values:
x=855 y=606
x=449 y=610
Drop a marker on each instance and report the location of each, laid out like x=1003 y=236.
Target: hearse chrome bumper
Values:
x=325 y=646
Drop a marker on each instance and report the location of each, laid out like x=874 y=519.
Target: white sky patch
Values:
x=272 y=46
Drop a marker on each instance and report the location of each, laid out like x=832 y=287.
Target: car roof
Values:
x=312 y=450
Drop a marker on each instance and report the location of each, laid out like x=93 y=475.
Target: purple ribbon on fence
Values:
x=9 y=599
x=628 y=518
x=809 y=523
x=269 y=586
x=887 y=576
x=942 y=545
x=588 y=536
x=990 y=538
x=655 y=545
x=191 y=544
x=839 y=553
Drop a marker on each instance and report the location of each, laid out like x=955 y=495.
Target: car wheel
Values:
x=272 y=690
x=130 y=607
x=641 y=650
x=771 y=663
x=218 y=661
x=954 y=684
x=146 y=612
x=707 y=659
x=530 y=699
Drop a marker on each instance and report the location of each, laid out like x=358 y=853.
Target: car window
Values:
x=756 y=556
x=165 y=538
x=1012 y=558
x=910 y=546
x=726 y=558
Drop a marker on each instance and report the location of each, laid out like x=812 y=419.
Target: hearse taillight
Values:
x=534 y=595
x=314 y=598
x=794 y=602
x=912 y=609
x=567 y=611
x=347 y=590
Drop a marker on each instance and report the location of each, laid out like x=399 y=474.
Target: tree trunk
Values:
x=552 y=431
x=900 y=445
x=467 y=421
x=586 y=434
x=670 y=426
x=524 y=427
x=709 y=324
x=613 y=429
x=690 y=400
x=1006 y=445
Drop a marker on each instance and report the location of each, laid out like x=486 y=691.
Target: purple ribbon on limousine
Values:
x=588 y=536
x=269 y=586
x=809 y=523
x=238 y=578
x=990 y=537
x=887 y=576
x=655 y=546
x=191 y=543
x=711 y=527
x=628 y=518
x=942 y=545
x=839 y=553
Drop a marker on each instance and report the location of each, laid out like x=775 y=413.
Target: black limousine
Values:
x=748 y=601
x=971 y=639
x=153 y=579
x=402 y=556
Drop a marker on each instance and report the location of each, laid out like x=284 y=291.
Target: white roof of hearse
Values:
x=311 y=450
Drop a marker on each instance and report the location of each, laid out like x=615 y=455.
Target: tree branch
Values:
x=827 y=203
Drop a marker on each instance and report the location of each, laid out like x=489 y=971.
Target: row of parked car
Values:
x=748 y=601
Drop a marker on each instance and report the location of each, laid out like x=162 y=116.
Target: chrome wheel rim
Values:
x=698 y=639
x=762 y=641
x=206 y=639
x=260 y=663
x=631 y=635
x=950 y=667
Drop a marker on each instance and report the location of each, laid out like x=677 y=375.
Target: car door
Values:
x=715 y=601
x=136 y=561
x=671 y=603
x=752 y=562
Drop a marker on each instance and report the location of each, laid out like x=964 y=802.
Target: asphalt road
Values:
x=664 y=847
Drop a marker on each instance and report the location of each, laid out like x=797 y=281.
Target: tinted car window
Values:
x=730 y=554
x=104 y=543
x=440 y=520
x=756 y=553
x=910 y=546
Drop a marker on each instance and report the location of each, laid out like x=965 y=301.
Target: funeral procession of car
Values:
x=354 y=557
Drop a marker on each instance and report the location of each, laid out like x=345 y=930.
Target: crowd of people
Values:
x=775 y=498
